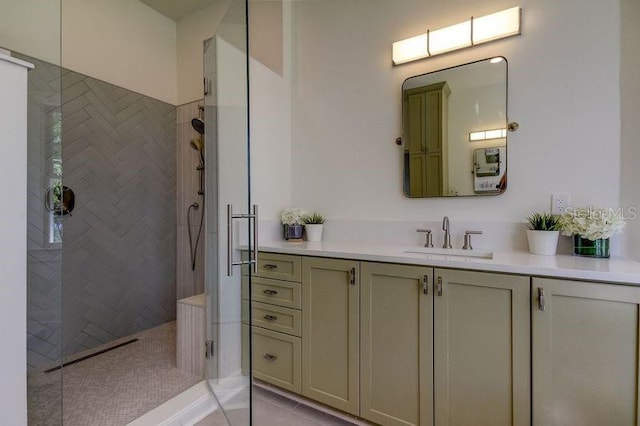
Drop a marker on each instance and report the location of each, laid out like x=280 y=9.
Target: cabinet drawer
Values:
x=276 y=318
x=277 y=358
x=281 y=293
x=278 y=266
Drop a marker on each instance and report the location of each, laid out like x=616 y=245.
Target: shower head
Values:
x=198 y=145
x=198 y=125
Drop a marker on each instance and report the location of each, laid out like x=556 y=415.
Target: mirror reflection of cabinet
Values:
x=425 y=111
x=449 y=115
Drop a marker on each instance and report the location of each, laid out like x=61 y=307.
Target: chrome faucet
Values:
x=447 y=234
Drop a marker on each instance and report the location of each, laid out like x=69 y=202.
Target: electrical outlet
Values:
x=560 y=202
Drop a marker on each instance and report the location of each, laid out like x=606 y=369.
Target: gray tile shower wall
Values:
x=189 y=282
x=119 y=256
x=44 y=255
x=114 y=273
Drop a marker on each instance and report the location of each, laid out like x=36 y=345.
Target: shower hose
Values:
x=193 y=248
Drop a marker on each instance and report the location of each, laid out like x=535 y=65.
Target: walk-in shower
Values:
x=198 y=145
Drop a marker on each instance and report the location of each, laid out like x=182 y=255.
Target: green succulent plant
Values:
x=313 y=219
x=544 y=222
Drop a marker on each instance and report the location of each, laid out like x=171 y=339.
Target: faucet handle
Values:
x=429 y=241
x=467 y=239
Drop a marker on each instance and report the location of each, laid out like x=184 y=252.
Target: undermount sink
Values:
x=478 y=254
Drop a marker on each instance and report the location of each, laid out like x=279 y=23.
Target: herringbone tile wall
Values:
x=44 y=259
x=119 y=256
x=116 y=275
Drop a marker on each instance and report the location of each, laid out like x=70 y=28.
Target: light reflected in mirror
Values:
x=454 y=131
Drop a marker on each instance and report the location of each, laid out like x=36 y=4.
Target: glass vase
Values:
x=590 y=248
x=293 y=232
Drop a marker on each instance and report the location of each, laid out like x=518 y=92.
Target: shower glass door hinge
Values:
x=207 y=86
x=208 y=349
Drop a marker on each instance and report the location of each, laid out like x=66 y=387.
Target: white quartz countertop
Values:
x=614 y=270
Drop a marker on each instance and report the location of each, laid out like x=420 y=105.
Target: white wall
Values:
x=630 y=111
x=471 y=110
x=31 y=27
x=191 y=32
x=563 y=90
x=13 y=249
x=123 y=42
x=270 y=105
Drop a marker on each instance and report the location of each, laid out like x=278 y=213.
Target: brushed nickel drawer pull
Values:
x=270 y=357
x=439 y=286
x=269 y=266
x=352 y=276
x=270 y=317
x=425 y=284
x=270 y=292
x=542 y=303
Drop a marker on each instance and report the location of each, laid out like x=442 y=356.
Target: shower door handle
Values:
x=254 y=254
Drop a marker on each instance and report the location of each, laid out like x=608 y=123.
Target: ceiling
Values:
x=177 y=9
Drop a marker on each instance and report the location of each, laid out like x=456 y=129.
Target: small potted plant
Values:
x=292 y=223
x=543 y=233
x=591 y=229
x=313 y=225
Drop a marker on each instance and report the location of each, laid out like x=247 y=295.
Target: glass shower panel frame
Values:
x=227 y=153
x=32 y=32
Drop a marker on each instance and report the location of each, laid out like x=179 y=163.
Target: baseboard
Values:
x=311 y=404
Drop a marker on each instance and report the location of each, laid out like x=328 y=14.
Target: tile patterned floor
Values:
x=270 y=409
x=113 y=388
x=119 y=386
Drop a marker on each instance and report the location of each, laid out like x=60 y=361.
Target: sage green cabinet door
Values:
x=396 y=344
x=481 y=349
x=585 y=353
x=330 y=332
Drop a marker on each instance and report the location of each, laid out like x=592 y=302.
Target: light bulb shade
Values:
x=484 y=135
x=450 y=38
x=410 y=49
x=496 y=25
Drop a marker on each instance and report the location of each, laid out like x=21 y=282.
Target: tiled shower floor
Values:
x=117 y=387
x=113 y=388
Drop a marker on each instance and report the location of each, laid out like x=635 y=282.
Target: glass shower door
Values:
x=229 y=221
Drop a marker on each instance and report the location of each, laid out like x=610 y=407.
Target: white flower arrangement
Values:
x=293 y=216
x=591 y=223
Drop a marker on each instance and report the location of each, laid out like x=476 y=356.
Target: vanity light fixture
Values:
x=505 y=23
x=411 y=49
x=487 y=135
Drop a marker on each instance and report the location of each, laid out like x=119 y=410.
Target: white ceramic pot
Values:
x=543 y=242
x=314 y=232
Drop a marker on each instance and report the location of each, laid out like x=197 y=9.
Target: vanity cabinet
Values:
x=396 y=341
x=481 y=348
x=330 y=332
x=585 y=353
x=276 y=320
x=444 y=346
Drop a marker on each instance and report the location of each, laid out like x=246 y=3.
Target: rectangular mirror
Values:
x=455 y=131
